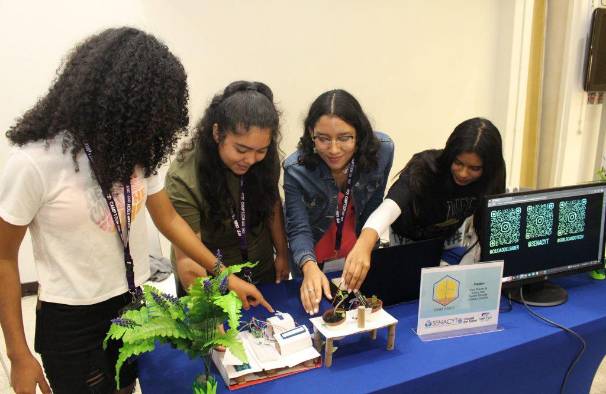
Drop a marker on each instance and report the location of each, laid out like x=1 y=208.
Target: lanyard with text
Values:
x=240 y=226
x=113 y=209
x=340 y=216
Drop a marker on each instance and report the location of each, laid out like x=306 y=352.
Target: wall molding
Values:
x=518 y=87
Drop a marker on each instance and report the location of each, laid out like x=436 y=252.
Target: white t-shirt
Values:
x=78 y=254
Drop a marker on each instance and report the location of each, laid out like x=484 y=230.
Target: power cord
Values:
x=568 y=330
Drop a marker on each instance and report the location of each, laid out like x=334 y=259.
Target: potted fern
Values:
x=188 y=323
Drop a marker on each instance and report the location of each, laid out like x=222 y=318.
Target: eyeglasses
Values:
x=342 y=141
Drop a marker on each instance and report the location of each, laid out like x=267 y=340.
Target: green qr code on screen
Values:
x=539 y=220
x=571 y=219
x=505 y=226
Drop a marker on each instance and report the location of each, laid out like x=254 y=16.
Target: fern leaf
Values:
x=129 y=350
x=237 y=349
x=158 y=327
x=139 y=316
x=115 y=332
x=234 y=269
x=232 y=306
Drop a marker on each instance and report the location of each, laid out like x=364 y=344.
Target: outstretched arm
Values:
x=173 y=227
x=301 y=242
x=187 y=269
x=357 y=262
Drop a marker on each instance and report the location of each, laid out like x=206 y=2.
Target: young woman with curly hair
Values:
x=334 y=180
x=83 y=170
x=434 y=194
x=225 y=185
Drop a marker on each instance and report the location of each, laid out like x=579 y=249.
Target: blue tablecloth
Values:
x=528 y=356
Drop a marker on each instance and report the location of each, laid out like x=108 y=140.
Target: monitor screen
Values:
x=544 y=233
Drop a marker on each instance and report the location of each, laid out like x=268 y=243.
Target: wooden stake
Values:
x=361 y=316
x=328 y=349
x=391 y=337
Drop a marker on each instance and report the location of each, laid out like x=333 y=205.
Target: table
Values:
x=528 y=356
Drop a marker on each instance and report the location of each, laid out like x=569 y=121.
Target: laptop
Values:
x=395 y=272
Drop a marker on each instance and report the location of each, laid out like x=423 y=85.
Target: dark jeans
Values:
x=70 y=340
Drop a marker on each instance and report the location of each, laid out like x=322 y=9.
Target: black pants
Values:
x=70 y=340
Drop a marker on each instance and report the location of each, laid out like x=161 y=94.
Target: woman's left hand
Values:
x=282 y=269
x=248 y=293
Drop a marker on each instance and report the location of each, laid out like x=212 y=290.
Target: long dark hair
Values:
x=124 y=93
x=428 y=169
x=479 y=136
x=342 y=104
x=242 y=105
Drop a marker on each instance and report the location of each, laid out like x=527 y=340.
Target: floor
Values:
x=29 y=303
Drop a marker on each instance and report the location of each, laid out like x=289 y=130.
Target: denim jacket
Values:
x=311 y=199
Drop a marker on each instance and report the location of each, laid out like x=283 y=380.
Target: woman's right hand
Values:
x=26 y=374
x=357 y=262
x=248 y=293
x=314 y=283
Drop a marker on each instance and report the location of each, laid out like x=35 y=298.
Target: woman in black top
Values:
x=435 y=192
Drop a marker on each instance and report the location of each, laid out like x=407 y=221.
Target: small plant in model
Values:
x=336 y=314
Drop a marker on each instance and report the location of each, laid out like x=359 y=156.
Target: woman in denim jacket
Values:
x=332 y=183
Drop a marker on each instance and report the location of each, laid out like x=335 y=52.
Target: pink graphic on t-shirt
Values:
x=99 y=211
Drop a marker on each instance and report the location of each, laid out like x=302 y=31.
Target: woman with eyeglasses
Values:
x=434 y=194
x=332 y=183
x=225 y=185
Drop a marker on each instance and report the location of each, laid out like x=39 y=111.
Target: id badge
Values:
x=333 y=265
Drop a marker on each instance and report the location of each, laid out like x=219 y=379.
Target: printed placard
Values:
x=459 y=299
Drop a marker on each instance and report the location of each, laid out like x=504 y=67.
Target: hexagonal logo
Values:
x=446 y=290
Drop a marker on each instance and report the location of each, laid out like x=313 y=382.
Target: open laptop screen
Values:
x=395 y=272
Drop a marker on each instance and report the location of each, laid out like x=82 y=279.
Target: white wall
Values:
x=572 y=132
x=418 y=67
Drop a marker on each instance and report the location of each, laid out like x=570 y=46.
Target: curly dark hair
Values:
x=239 y=107
x=342 y=104
x=124 y=93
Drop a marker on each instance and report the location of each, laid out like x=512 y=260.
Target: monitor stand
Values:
x=540 y=294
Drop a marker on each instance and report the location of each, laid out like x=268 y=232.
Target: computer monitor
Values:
x=544 y=233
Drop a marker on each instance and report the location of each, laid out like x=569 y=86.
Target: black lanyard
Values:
x=113 y=209
x=240 y=227
x=340 y=216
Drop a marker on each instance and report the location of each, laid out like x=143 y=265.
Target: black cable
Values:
x=568 y=330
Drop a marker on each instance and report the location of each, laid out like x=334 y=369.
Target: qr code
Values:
x=572 y=216
x=539 y=220
x=505 y=226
